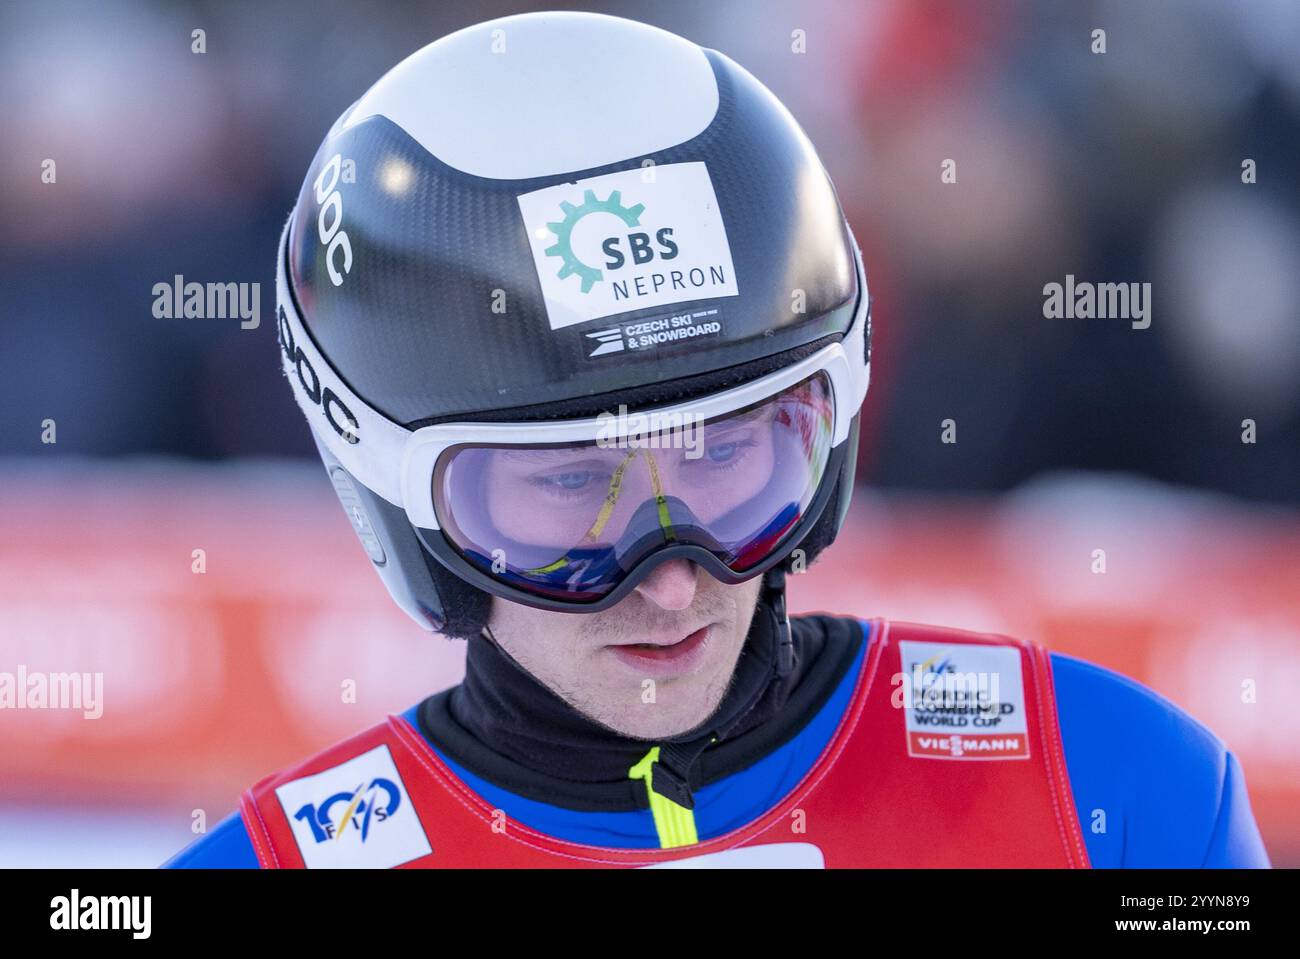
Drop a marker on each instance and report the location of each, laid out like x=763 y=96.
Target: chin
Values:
x=652 y=732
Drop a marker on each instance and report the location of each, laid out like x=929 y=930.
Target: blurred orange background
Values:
x=214 y=679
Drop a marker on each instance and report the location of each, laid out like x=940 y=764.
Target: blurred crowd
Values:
x=1122 y=166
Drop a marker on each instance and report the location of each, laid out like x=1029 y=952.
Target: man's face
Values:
x=694 y=626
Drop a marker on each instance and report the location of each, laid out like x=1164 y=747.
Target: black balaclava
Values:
x=505 y=708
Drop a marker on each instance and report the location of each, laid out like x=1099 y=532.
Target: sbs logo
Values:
x=332 y=237
x=638 y=243
x=621 y=244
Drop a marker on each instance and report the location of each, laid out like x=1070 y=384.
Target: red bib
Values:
x=948 y=755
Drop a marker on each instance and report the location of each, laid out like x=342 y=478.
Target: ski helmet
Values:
x=535 y=222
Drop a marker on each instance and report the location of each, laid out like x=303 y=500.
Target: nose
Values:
x=671 y=585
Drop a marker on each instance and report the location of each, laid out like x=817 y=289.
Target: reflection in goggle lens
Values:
x=571 y=520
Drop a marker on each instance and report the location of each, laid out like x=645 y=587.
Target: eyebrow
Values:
x=745 y=417
x=534 y=454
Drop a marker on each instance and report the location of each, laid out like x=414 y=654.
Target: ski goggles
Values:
x=575 y=513
x=572 y=514
x=567 y=520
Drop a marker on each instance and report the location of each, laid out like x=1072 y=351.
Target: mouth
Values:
x=664 y=658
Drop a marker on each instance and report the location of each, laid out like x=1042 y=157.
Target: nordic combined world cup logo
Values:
x=573 y=215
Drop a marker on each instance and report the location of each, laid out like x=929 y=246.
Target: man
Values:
x=582 y=336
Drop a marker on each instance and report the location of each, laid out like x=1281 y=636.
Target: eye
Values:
x=577 y=485
x=722 y=452
x=572 y=481
x=724 y=457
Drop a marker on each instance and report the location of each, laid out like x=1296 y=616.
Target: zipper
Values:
x=674 y=821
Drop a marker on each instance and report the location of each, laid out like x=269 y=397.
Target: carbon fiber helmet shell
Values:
x=424 y=267
x=442 y=310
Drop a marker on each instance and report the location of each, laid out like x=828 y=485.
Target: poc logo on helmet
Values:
x=323 y=397
x=332 y=237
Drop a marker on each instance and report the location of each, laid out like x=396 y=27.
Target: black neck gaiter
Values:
x=505 y=709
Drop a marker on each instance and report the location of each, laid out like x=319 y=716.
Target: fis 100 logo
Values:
x=361 y=808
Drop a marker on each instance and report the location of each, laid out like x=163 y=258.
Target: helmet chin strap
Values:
x=773 y=595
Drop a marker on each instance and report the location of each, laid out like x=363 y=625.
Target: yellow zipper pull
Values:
x=674 y=823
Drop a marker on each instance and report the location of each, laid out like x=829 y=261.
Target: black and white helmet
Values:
x=534 y=222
